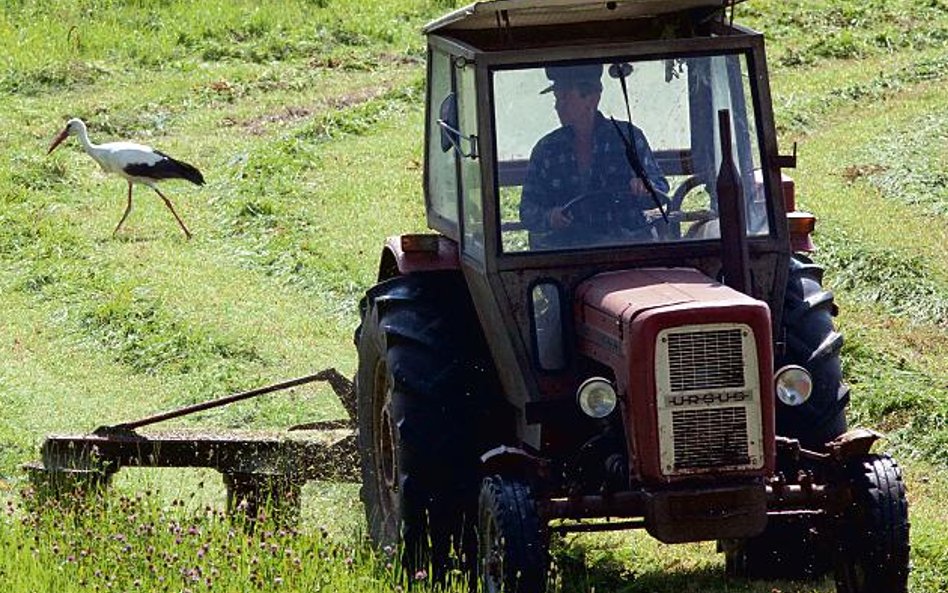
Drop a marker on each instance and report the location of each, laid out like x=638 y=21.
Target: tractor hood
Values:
x=611 y=308
x=608 y=304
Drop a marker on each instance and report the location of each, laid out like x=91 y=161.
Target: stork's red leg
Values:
x=128 y=209
x=170 y=207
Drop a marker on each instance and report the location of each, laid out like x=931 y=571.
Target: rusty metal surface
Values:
x=563 y=528
x=304 y=455
x=687 y=514
x=619 y=504
x=340 y=385
x=714 y=513
x=852 y=443
x=256 y=465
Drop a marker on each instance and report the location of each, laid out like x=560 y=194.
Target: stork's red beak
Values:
x=58 y=139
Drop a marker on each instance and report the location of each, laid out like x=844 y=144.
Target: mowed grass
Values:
x=305 y=117
x=295 y=112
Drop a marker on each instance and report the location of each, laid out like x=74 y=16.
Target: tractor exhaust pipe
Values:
x=731 y=208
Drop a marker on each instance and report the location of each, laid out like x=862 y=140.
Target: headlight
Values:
x=794 y=385
x=596 y=397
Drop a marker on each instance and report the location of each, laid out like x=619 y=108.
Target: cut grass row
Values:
x=69 y=44
x=820 y=33
x=884 y=255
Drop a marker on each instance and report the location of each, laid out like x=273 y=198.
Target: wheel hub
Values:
x=492 y=555
x=385 y=445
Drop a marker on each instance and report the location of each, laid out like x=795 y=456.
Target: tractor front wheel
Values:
x=873 y=537
x=513 y=549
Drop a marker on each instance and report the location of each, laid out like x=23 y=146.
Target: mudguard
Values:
x=407 y=254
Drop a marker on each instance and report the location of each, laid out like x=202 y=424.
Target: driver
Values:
x=584 y=155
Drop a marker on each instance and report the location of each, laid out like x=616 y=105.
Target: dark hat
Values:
x=586 y=77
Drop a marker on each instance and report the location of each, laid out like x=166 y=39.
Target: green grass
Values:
x=876 y=185
x=823 y=31
x=135 y=542
x=275 y=102
x=306 y=118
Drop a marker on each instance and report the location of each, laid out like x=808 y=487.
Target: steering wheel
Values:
x=701 y=218
x=614 y=214
x=610 y=210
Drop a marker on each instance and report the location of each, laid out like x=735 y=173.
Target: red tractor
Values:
x=614 y=317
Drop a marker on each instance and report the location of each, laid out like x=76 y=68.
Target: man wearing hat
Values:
x=585 y=155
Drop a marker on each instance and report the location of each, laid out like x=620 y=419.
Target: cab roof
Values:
x=521 y=13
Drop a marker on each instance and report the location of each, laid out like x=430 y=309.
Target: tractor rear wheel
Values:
x=416 y=432
x=873 y=550
x=513 y=548
x=813 y=343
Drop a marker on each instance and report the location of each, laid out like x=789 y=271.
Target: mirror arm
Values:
x=455 y=136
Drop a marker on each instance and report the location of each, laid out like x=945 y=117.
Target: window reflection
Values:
x=548 y=325
x=565 y=133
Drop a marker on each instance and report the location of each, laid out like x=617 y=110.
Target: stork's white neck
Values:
x=83 y=136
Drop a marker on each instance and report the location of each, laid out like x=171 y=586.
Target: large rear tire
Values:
x=813 y=343
x=873 y=550
x=417 y=415
x=513 y=546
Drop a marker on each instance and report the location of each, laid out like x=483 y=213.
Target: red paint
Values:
x=619 y=316
x=444 y=255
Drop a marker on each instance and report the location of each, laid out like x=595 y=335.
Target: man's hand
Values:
x=559 y=219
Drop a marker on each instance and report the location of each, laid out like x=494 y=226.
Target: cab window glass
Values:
x=442 y=189
x=575 y=171
x=473 y=224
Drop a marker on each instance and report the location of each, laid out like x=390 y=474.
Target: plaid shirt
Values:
x=553 y=175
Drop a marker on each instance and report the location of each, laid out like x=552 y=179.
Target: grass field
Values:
x=306 y=117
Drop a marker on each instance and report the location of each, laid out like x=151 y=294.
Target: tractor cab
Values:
x=663 y=78
x=664 y=86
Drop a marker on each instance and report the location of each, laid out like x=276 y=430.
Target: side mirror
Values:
x=448 y=120
x=450 y=133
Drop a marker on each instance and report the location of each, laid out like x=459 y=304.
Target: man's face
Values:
x=573 y=105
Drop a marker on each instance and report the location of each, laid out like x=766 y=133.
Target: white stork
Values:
x=135 y=162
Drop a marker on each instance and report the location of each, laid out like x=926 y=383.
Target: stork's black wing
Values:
x=166 y=168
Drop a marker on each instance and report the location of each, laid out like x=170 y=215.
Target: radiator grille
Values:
x=710 y=438
x=706 y=360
